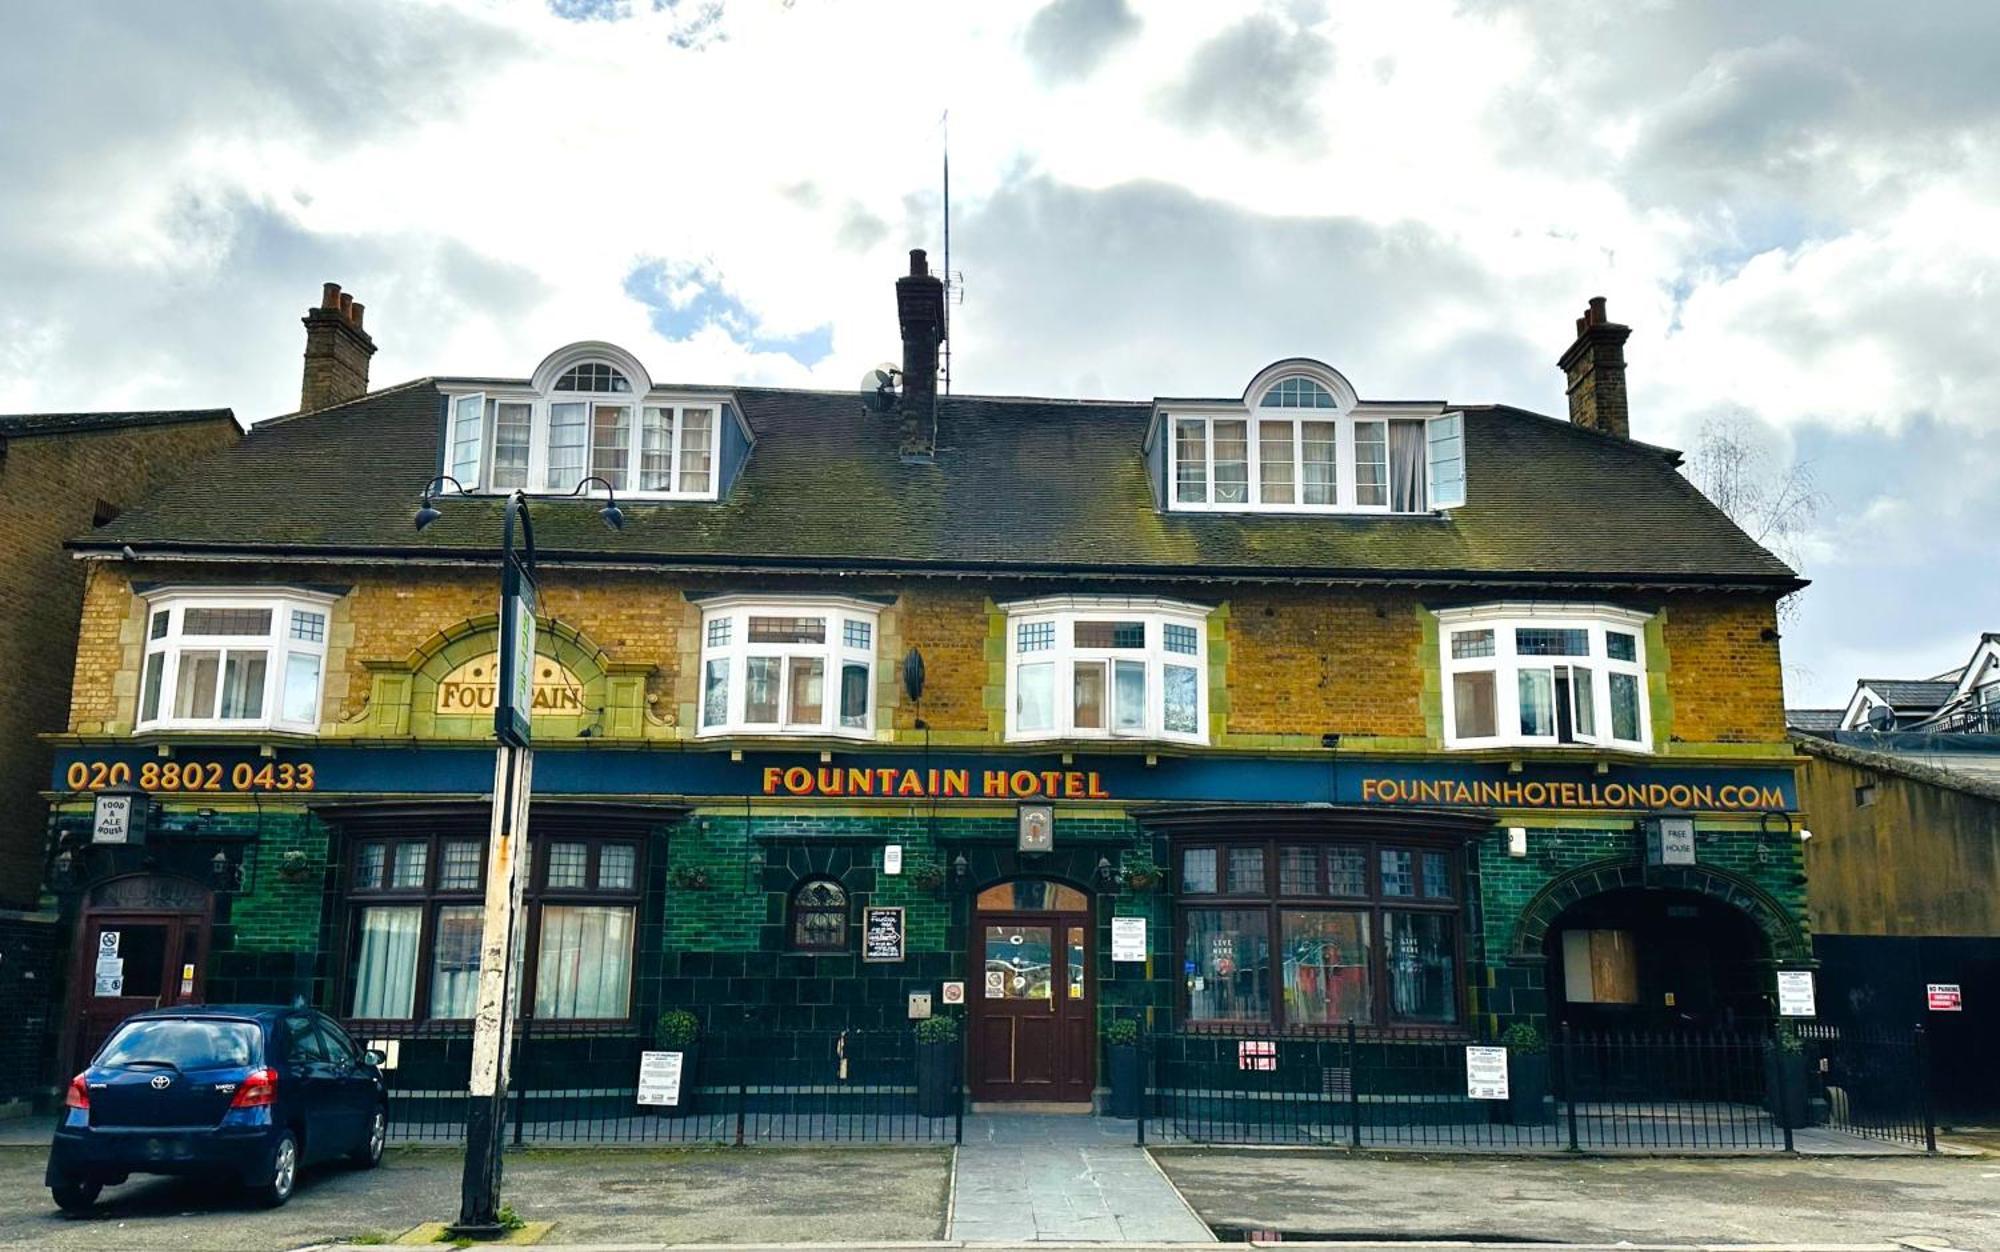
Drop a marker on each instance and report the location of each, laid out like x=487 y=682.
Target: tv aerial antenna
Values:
x=954 y=282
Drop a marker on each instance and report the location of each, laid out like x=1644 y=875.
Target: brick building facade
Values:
x=1368 y=709
x=60 y=473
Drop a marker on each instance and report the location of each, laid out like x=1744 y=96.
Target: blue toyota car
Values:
x=250 y=1092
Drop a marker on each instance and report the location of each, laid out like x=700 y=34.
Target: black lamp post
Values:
x=492 y=1035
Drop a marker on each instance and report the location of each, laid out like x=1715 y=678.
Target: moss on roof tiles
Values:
x=1016 y=482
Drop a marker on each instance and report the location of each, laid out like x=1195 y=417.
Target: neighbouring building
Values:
x=60 y=474
x=1902 y=796
x=1408 y=714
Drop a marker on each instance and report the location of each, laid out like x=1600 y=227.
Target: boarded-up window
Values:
x=1600 y=967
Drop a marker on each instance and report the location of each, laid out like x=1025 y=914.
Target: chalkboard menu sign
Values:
x=882 y=934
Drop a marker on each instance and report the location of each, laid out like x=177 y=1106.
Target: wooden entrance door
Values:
x=1033 y=996
x=130 y=958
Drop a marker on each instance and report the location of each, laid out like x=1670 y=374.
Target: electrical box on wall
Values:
x=920 y=1005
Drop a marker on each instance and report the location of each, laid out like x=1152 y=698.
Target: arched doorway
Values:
x=141 y=943
x=1033 y=1033
x=1652 y=959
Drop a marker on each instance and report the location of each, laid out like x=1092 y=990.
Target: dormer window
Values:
x=1301 y=443
x=582 y=417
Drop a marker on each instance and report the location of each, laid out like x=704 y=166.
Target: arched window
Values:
x=593 y=376
x=1298 y=393
x=819 y=916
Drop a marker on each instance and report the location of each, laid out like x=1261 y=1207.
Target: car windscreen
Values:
x=182 y=1044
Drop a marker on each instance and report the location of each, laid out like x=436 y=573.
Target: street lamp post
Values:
x=496 y=1003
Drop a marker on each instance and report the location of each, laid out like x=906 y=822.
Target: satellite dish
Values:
x=1880 y=717
x=878 y=388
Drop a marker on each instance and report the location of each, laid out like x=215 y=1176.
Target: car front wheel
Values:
x=75 y=1197
x=369 y=1154
x=283 y=1176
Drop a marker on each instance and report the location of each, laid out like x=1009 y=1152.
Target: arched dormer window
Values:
x=589 y=410
x=819 y=916
x=1298 y=393
x=1301 y=441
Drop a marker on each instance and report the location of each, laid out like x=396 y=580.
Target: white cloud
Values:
x=1794 y=204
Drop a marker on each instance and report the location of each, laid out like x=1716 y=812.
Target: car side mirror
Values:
x=374 y=1057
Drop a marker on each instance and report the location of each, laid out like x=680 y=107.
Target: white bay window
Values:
x=797 y=666
x=233 y=660
x=1107 y=667
x=1544 y=674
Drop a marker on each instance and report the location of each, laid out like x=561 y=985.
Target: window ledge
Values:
x=170 y=736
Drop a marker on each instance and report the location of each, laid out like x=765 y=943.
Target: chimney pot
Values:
x=919 y=264
x=1594 y=372
x=337 y=351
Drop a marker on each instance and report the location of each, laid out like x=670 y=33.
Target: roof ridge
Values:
x=328 y=408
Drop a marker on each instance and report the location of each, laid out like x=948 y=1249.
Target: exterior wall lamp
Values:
x=224 y=874
x=1107 y=878
x=960 y=868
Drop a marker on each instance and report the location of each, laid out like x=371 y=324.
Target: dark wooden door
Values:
x=1032 y=1010
x=130 y=962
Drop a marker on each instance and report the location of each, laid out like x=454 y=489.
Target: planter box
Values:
x=1528 y=1089
x=937 y=1079
x=1127 y=1079
x=1785 y=1087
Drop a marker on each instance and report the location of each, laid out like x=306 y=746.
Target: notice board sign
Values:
x=1795 y=993
x=1485 y=1073
x=882 y=934
x=1128 y=938
x=660 y=1078
x=1943 y=997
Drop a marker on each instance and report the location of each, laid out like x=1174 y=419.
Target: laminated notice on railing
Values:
x=660 y=1078
x=1485 y=1073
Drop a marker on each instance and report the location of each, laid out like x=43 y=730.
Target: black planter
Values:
x=937 y=1079
x=690 y=1070
x=1785 y=1087
x=1127 y=1079
x=1528 y=1089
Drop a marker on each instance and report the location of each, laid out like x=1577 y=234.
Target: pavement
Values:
x=659 y=1196
x=1064 y=1179
x=1950 y=1201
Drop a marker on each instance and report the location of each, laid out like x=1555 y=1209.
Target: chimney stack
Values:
x=337 y=351
x=1595 y=369
x=920 y=308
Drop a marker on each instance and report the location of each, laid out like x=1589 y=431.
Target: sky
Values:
x=1794 y=204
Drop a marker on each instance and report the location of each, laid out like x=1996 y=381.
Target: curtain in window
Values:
x=1538 y=702
x=567 y=435
x=585 y=968
x=1274 y=461
x=511 y=430
x=385 y=968
x=1406 y=467
x=611 y=443
x=1232 y=461
x=455 y=960
x=1191 y=461
x=243 y=685
x=656 y=450
x=1318 y=470
x=301 y=696
x=1035 y=697
x=697 y=443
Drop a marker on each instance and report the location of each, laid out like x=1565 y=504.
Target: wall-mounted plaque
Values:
x=882 y=934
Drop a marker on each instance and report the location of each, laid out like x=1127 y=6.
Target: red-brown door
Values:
x=1032 y=1011
x=130 y=962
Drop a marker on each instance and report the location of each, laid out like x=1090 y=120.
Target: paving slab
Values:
x=1061 y=1178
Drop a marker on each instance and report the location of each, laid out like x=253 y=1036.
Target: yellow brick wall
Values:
x=1309 y=661
x=1300 y=662
x=1725 y=678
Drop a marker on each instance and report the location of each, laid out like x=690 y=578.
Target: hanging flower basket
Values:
x=690 y=878
x=292 y=867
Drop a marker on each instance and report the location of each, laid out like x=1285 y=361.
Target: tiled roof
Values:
x=1814 y=719
x=16 y=425
x=1907 y=695
x=1019 y=485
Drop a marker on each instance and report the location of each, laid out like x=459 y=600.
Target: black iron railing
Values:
x=582 y=1086
x=1585 y=1091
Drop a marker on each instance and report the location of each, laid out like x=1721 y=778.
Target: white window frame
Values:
x=1444 y=460
x=1596 y=620
x=1063 y=613
x=738 y=650
x=277 y=644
